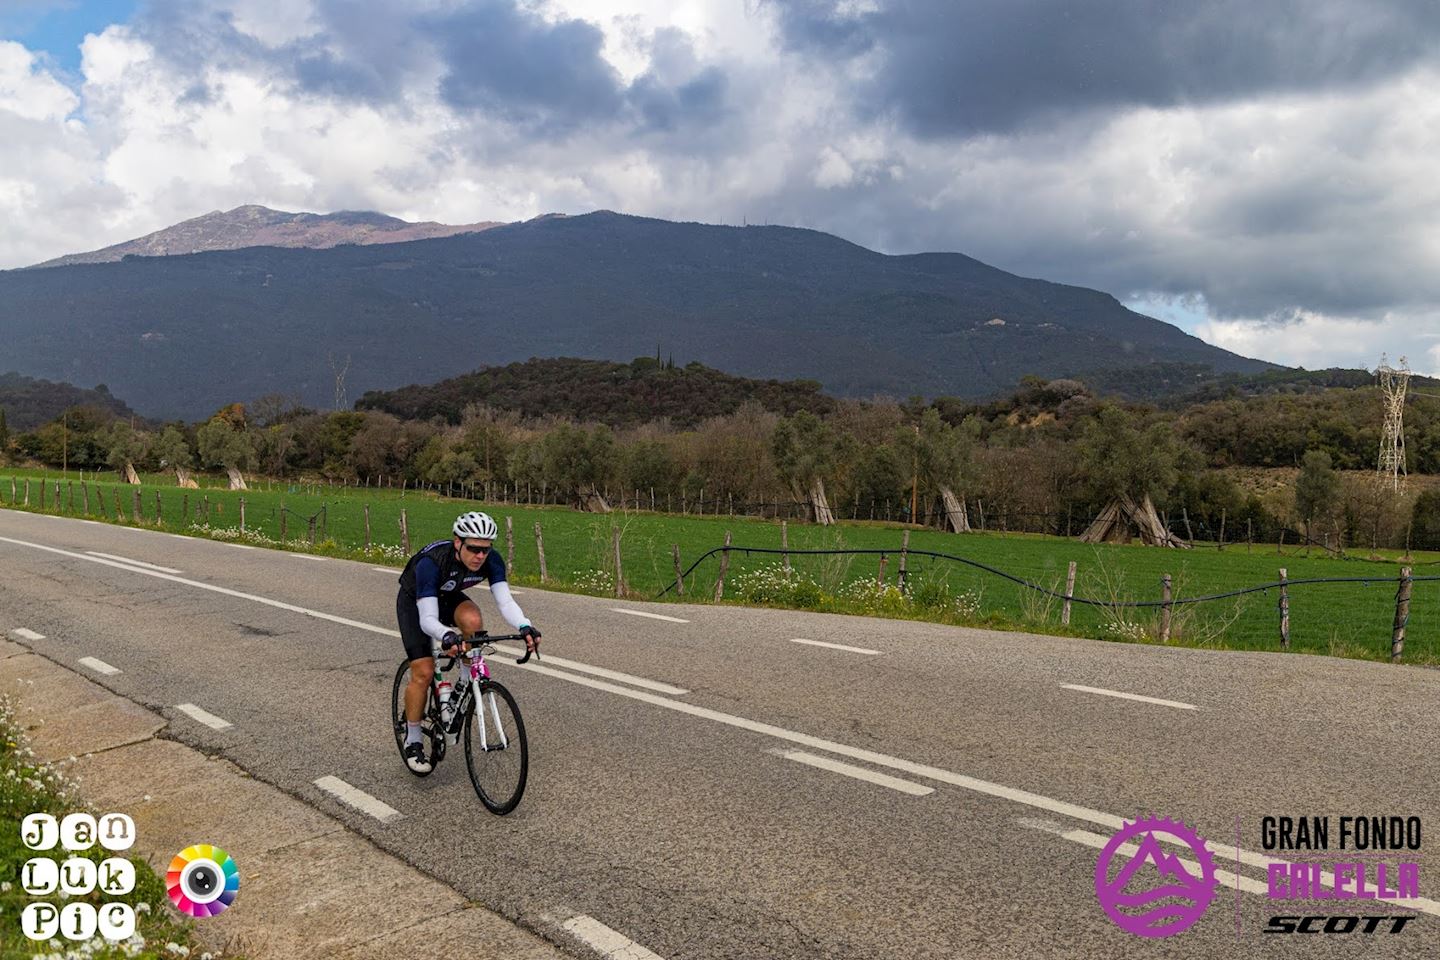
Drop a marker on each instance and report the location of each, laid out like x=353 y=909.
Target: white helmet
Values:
x=474 y=524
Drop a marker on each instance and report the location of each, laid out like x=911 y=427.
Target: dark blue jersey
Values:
x=437 y=572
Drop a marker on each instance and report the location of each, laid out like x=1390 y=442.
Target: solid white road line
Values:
x=652 y=616
x=308 y=556
x=99 y=666
x=611 y=944
x=634 y=681
x=138 y=563
x=859 y=773
x=204 y=716
x=24 y=634
x=1129 y=696
x=319 y=615
x=387 y=569
x=358 y=799
x=834 y=646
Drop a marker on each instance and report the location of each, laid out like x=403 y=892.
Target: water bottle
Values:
x=446 y=709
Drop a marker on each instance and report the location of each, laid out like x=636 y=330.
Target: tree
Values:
x=173 y=449
x=942 y=458
x=4 y=434
x=1122 y=458
x=1317 y=489
x=805 y=450
x=575 y=462
x=225 y=442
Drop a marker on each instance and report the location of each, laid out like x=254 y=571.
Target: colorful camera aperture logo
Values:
x=202 y=880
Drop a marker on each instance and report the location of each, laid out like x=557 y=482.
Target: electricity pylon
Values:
x=1393 y=384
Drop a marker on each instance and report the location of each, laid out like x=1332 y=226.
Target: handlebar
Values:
x=478 y=643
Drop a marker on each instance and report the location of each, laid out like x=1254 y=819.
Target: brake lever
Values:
x=528 y=651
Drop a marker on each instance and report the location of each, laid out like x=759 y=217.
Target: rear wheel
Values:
x=496 y=753
x=430 y=732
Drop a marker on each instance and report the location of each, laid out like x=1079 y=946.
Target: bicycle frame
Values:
x=473 y=696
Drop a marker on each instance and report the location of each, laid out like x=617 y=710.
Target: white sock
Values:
x=412 y=733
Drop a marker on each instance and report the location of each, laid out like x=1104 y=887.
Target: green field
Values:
x=1351 y=619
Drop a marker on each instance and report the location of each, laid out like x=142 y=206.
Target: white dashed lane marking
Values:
x=611 y=944
x=1129 y=696
x=204 y=716
x=835 y=646
x=358 y=799
x=652 y=616
x=24 y=634
x=99 y=666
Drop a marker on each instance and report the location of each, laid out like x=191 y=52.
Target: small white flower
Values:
x=146 y=798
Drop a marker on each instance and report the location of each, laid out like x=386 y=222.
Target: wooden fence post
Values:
x=510 y=538
x=70 y=497
x=242 y=514
x=724 y=568
x=85 y=493
x=404 y=531
x=160 y=514
x=27 y=491
x=135 y=506
x=1165 y=609
x=880 y=576
x=13 y=496
x=1402 y=615
x=184 y=507
x=619 y=571
x=310 y=528
x=1284 y=611
x=904 y=550
x=367 y=519
x=785 y=544
x=540 y=550
x=284 y=516
x=119 y=510
x=679 y=577
x=42 y=493
x=205 y=504
x=57 y=496
x=1222 y=530
x=1069 y=594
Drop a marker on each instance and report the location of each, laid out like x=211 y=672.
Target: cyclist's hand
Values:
x=450 y=644
x=532 y=638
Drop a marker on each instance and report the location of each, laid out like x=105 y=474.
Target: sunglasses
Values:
x=477 y=550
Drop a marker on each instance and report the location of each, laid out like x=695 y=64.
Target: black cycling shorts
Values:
x=417 y=642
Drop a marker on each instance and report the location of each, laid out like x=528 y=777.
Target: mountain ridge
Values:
x=253 y=225
x=183 y=334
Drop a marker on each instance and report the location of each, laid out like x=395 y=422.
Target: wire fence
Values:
x=1386 y=613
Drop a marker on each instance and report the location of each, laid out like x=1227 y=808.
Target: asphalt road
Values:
x=698 y=824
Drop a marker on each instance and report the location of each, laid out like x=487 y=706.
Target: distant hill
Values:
x=183 y=335
x=29 y=403
x=256 y=226
x=618 y=394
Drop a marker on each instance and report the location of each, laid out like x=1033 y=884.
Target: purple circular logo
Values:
x=1147 y=891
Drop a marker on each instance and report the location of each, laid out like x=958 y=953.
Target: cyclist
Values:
x=432 y=604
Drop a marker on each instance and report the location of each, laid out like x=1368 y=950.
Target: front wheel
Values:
x=495 y=751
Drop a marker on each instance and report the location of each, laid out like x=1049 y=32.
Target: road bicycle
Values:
x=481 y=711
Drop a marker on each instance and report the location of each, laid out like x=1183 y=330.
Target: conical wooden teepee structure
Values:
x=1123 y=521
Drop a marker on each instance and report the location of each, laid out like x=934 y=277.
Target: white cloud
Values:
x=1323 y=206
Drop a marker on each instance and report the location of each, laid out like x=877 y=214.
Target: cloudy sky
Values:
x=1264 y=175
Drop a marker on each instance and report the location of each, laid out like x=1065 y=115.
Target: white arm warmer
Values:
x=509 y=609
x=430 y=618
